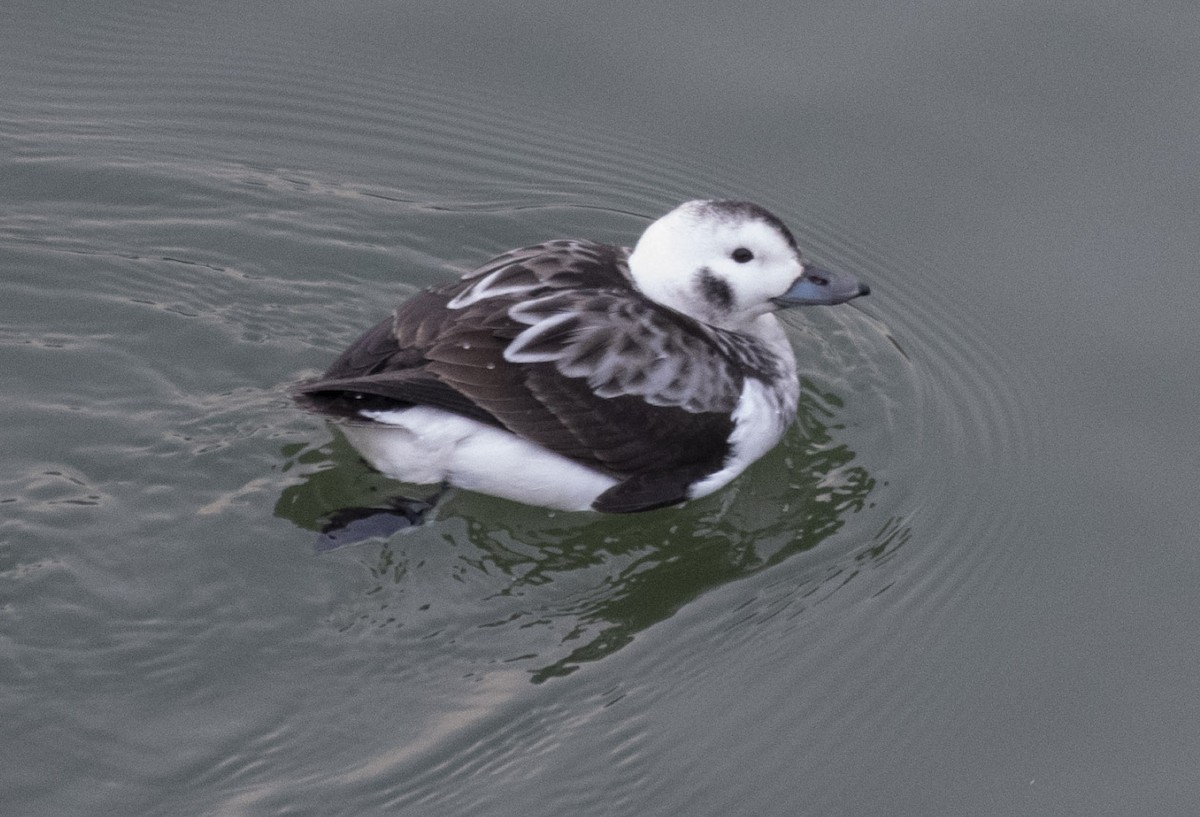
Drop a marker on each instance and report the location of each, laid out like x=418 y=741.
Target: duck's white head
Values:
x=727 y=263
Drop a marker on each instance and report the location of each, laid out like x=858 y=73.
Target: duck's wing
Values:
x=461 y=325
x=386 y=368
x=554 y=345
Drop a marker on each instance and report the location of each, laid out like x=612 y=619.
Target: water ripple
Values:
x=169 y=274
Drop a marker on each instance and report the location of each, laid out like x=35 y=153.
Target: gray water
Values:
x=965 y=583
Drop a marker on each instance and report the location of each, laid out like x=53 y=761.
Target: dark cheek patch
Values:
x=715 y=291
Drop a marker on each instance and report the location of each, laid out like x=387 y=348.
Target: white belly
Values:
x=427 y=445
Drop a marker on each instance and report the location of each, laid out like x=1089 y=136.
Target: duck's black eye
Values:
x=742 y=255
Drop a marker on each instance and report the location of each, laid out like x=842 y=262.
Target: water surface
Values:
x=963 y=584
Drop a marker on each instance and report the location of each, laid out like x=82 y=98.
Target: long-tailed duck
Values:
x=577 y=375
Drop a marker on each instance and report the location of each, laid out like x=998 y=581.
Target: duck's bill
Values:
x=821 y=287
